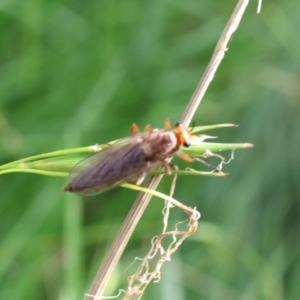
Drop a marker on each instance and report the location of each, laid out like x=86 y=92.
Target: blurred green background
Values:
x=75 y=73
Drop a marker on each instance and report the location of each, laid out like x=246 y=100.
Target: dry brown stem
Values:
x=158 y=255
x=101 y=279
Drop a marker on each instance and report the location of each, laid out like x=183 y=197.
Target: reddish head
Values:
x=183 y=135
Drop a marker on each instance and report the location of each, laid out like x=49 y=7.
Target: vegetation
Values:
x=78 y=73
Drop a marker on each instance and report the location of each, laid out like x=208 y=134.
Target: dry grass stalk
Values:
x=158 y=254
x=101 y=279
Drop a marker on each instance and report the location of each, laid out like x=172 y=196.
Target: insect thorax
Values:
x=160 y=144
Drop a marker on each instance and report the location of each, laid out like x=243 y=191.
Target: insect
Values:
x=130 y=159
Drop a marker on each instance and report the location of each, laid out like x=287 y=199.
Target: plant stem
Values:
x=100 y=281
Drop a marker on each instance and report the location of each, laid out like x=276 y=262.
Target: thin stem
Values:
x=48 y=155
x=214 y=63
x=101 y=279
x=33 y=171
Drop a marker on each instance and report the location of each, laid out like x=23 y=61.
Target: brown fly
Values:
x=130 y=159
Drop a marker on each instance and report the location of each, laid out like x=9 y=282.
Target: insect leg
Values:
x=167 y=167
x=186 y=157
x=148 y=128
x=175 y=167
x=167 y=123
x=134 y=129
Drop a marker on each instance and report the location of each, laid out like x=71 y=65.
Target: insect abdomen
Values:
x=124 y=165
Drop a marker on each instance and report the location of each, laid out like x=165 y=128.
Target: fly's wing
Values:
x=122 y=162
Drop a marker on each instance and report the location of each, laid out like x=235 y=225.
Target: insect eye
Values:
x=187 y=143
x=178 y=124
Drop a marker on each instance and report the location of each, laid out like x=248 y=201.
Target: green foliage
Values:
x=77 y=73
